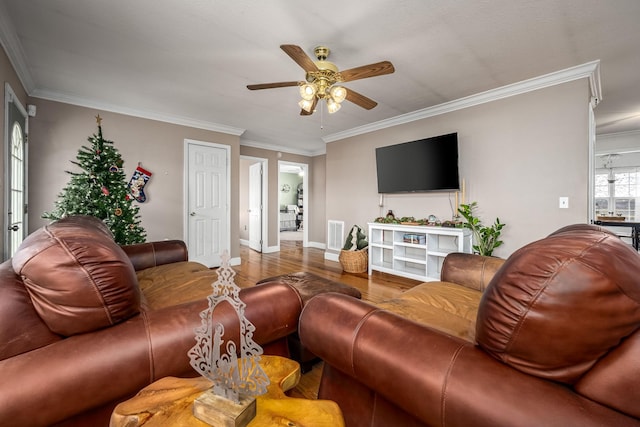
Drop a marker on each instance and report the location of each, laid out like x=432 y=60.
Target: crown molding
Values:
x=167 y=118
x=13 y=48
x=274 y=147
x=590 y=70
x=630 y=133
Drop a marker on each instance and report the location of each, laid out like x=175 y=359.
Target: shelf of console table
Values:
x=413 y=251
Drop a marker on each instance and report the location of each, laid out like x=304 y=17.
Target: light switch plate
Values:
x=564 y=203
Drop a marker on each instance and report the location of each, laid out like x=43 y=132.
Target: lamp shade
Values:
x=332 y=106
x=308 y=91
x=338 y=93
x=306 y=105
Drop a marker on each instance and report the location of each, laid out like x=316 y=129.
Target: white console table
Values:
x=413 y=251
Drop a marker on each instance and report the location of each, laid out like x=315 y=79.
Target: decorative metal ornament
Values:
x=217 y=359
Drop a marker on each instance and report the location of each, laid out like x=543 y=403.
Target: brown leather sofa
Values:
x=78 y=336
x=557 y=343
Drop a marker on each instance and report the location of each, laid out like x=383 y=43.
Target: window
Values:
x=616 y=192
x=17 y=186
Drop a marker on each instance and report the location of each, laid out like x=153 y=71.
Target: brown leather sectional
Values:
x=78 y=335
x=555 y=341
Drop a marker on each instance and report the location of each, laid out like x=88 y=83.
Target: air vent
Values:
x=335 y=235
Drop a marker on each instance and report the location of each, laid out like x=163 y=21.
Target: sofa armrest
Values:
x=54 y=382
x=439 y=379
x=82 y=372
x=152 y=254
x=470 y=270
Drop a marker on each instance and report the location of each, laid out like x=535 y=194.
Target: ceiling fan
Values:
x=322 y=77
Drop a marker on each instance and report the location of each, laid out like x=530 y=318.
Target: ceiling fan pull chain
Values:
x=321 y=117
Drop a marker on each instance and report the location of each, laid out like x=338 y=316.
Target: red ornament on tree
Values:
x=105 y=190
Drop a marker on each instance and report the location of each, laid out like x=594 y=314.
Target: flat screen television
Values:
x=429 y=164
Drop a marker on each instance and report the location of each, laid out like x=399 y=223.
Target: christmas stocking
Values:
x=137 y=183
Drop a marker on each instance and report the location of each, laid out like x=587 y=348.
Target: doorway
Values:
x=207 y=201
x=293 y=196
x=615 y=202
x=253 y=202
x=15 y=154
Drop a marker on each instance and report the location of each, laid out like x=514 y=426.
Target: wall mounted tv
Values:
x=429 y=164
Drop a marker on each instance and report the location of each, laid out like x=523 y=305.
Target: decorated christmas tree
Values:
x=101 y=190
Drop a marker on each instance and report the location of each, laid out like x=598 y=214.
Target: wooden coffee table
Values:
x=169 y=402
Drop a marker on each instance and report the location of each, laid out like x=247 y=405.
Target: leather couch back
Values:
x=78 y=278
x=563 y=303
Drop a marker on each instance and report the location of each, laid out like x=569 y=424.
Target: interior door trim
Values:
x=10 y=97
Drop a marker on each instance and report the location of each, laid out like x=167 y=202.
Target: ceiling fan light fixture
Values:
x=320 y=78
x=308 y=91
x=306 y=105
x=338 y=93
x=332 y=106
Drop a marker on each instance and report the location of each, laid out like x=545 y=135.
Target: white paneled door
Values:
x=207 y=192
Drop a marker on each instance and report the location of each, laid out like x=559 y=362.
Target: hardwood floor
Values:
x=292 y=258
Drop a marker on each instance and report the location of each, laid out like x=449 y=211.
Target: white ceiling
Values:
x=190 y=61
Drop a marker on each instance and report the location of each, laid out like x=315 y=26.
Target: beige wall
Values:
x=243 y=222
x=7 y=75
x=517 y=155
x=59 y=130
x=317 y=227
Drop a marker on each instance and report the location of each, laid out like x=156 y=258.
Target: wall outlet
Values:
x=564 y=203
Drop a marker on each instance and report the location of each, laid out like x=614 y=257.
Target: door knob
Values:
x=192 y=214
x=13 y=228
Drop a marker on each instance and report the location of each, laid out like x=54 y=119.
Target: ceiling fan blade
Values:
x=361 y=100
x=271 y=85
x=371 y=70
x=297 y=54
x=313 y=108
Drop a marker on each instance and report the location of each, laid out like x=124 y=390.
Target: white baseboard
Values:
x=317 y=245
x=270 y=249
x=331 y=256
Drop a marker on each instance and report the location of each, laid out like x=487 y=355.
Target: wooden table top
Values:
x=169 y=401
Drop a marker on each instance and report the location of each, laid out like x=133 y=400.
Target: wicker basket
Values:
x=354 y=261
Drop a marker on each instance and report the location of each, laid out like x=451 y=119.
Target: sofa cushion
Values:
x=78 y=278
x=444 y=306
x=175 y=283
x=560 y=304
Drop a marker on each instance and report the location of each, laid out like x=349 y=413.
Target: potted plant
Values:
x=354 y=256
x=485 y=239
